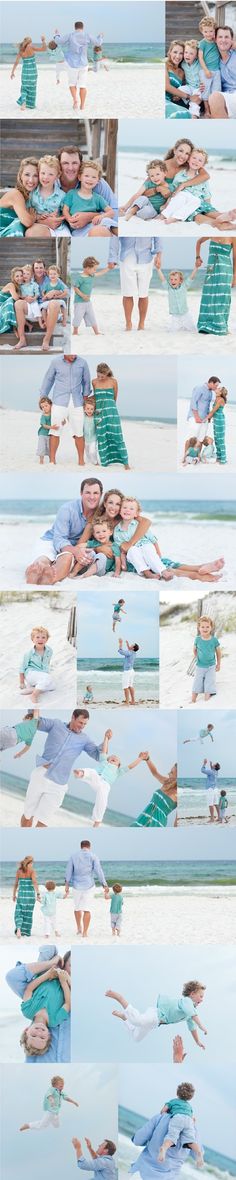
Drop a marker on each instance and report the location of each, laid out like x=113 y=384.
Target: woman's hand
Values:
x=144 y=754
x=199 y=262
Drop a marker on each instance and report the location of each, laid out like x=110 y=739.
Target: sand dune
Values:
x=176 y=650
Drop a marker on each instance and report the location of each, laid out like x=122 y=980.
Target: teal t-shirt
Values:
x=116 y=903
x=53 y=1100
x=157 y=200
x=172 y=1011
x=26 y=730
x=223 y=803
x=108 y=770
x=77 y=204
x=206 y=649
x=211 y=54
x=89 y=430
x=45 y=420
x=85 y=283
x=47 y=995
x=193 y=452
x=179 y=1106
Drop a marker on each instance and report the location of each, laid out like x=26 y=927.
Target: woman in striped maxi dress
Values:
x=218 y=420
x=25 y=888
x=29 y=73
x=111 y=446
x=161 y=812
x=219 y=279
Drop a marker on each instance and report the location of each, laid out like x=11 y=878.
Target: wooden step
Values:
x=19 y=251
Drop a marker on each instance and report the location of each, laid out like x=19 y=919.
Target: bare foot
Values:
x=21 y=344
x=25 y=1127
x=18 y=933
x=213 y=565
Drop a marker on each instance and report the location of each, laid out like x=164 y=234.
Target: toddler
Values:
x=177 y=286
x=35 y=667
x=191 y=200
x=116 y=909
x=98 y=59
x=29 y=291
x=167 y=1011
x=84 y=200
x=48 y=197
x=208 y=451
x=83 y=308
x=54 y=288
x=117 y=612
x=89 y=431
x=148 y=201
x=46 y=1001
x=192 y=75
x=102 y=530
x=144 y=556
x=49 y=908
x=24 y=731
x=203 y=733
x=45 y=405
x=208 y=658
x=209 y=60
x=102 y=779
x=181 y=1120
x=191 y=451
x=51 y=1104
x=223 y=804
x=88 y=696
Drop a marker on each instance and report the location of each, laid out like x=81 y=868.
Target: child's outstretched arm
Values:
x=194 y=1034
x=164 y=1109
x=161 y=276
x=141 y=193
x=137 y=761
x=20 y=752
x=200 y=1025
x=72 y=1100
x=106 y=740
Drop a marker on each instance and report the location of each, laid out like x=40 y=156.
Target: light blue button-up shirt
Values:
x=69 y=524
x=67 y=379
x=62 y=748
x=75 y=47
x=144 y=248
x=150 y=1136
x=33 y=659
x=211 y=775
x=82 y=870
x=104 y=1166
x=228 y=72
x=200 y=401
x=128 y=657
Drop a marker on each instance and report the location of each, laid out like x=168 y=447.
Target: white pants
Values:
x=43 y=796
x=135 y=277
x=102 y=789
x=145 y=557
x=128 y=678
x=91 y=453
x=194 y=107
x=39 y=680
x=139 y=1024
x=182 y=323
x=200 y=430
x=180 y=206
x=49 y=924
x=44 y=1122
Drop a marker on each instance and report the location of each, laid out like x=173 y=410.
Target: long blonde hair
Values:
x=171 y=46
x=23 y=164
x=13 y=272
x=23 y=44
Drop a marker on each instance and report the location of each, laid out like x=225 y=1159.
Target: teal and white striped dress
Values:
x=157 y=813
x=7 y=313
x=219 y=434
x=29 y=76
x=25 y=904
x=111 y=446
x=216 y=294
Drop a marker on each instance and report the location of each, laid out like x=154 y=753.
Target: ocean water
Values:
x=120 y=52
x=146 y=875
x=192 y=798
x=111 y=281
x=107 y=686
x=215 y=1164
x=113 y=665
x=178 y=510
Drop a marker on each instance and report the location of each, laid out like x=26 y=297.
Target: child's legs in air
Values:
x=45 y=1122
x=139 y=1024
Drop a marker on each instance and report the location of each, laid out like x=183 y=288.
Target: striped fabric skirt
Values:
x=216 y=295
x=25 y=904
x=111 y=446
x=29 y=76
x=157 y=812
x=219 y=435
x=7 y=314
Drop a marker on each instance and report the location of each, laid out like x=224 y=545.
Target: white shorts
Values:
x=135 y=277
x=73 y=415
x=139 y=1024
x=128 y=678
x=213 y=795
x=83 y=899
x=33 y=312
x=76 y=420
x=43 y=796
x=230 y=103
x=77 y=76
x=43 y=681
x=44 y=548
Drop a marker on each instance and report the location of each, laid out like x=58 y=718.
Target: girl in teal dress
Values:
x=15 y=217
x=176 y=107
x=218 y=419
x=111 y=446
x=29 y=74
x=24 y=893
x=216 y=294
x=161 y=812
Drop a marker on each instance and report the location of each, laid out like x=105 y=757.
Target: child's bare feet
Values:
x=120 y=1015
x=25 y=1127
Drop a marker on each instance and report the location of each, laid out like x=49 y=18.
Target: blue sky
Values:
x=163 y=135
x=144 y=1088
x=166 y=970
x=93 y=1086
x=146 y=487
x=139 y=625
x=181 y=844
x=144 y=390
x=155 y=731
x=116 y=20
x=176 y=253
x=222 y=749
x=186 y=378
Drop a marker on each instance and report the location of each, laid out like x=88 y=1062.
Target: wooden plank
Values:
x=37 y=139
x=18 y=251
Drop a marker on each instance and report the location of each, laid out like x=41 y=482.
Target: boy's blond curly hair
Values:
x=41 y=631
x=34 y=1052
x=205 y=619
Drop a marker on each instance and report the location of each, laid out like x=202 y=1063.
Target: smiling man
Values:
x=223 y=105
x=55 y=550
x=68 y=382
x=49 y=780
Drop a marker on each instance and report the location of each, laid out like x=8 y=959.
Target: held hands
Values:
x=144 y=754
x=108 y=734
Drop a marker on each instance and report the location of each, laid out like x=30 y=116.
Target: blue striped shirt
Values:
x=67 y=379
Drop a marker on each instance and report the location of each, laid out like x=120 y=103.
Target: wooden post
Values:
x=220 y=14
x=62 y=257
x=96 y=139
x=111 y=152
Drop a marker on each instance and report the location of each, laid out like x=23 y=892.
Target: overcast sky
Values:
x=138 y=625
x=135 y=134
x=177 y=253
x=144 y=1088
x=145 y=388
x=146 y=487
x=222 y=749
x=115 y=20
x=203 y=369
x=181 y=844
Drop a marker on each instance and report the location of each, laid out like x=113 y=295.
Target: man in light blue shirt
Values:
x=102 y=1163
x=75 y=50
x=223 y=104
x=137 y=257
x=150 y=1137
x=64 y=744
x=211 y=771
x=200 y=404
x=68 y=382
x=81 y=871
x=55 y=550
x=128 y=658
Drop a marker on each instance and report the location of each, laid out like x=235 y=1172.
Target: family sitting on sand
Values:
x=177 y=189
x=97 y=534
x=74 y=47
x=44 y=988
x=46 y=202
x=201 y=448
x=68 y=397
x=201 y=75
x=34 y=295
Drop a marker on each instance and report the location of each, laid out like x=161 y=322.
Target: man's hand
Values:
x=88 y=1141
x=178 y=1050
x=77 y=1147
x=108 y=734
x=144 y=754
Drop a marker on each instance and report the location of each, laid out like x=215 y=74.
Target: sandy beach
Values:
x=11 y=808
x=176 y=652
x=199 y=820
x=157 y=336
x=186 y=429
x=125 y=90
x=151 y=446
x=18 y=619
x=131 y=175
x=201 y=915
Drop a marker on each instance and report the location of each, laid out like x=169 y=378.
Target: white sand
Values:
x=157 y=337
x=19 y=542
x=11 y=810
x=176 y=653
x=18 y=618
x=131 y=176
x=151 y=446
x=201 y=915
x=186 y=429
x=132 y=90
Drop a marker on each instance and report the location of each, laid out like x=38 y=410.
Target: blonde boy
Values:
x=35 y=666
